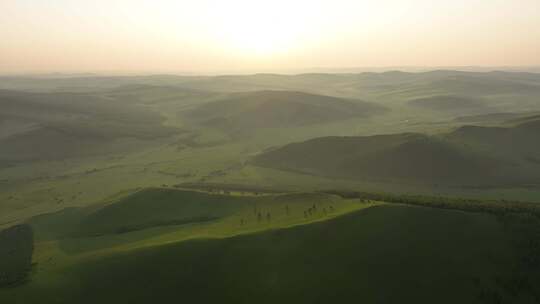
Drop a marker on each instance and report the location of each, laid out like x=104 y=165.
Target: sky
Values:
x=213 y=36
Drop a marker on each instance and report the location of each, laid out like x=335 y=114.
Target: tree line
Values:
x=498 y=207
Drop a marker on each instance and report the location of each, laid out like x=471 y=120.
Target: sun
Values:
x=258 y=37
x=260 y=28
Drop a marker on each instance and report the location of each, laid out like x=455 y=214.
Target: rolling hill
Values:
x=16 y=249
x=452 y=104
x=467 y=156
x=517 y=142
x=351 y=85
x=166 y=207
x=52 y=126
x=157 y=207
x=405 y=157
x=272 y=109
x=382 y=254
x=492 y=118
x=399 y=218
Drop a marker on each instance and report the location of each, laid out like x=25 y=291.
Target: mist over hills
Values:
x=41 y=126
x=71 y=116
x=269 y=152
x=345 y=83
x=175 y=185
x=270 y=109
x=452 y=105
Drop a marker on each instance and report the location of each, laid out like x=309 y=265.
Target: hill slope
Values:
x=52 y=126
x=176 y=208
x=271 y=109
x=383 y=254
x=452 y=104
x=16 y=248
x=411 y=157
x=518 y=142
x=467 y=156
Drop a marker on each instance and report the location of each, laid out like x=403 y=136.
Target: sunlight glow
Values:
x=232 y=35
x=263 y=28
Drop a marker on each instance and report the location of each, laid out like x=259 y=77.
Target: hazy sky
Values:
x=249 y=35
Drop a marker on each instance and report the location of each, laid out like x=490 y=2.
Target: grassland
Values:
x=241 y=112
x=385 y=253
x=16 y=250
x=157 y=217
x=134 y=189
x=77 y=141
x=468 y=156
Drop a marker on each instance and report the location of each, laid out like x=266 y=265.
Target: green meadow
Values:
x=314 y=188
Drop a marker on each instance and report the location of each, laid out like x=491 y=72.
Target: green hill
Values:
x=157 y=207
x=493 y=118
x=271 y=109
x=410 y=157
x=467 y=156
x=516 y=142
x=166 y=207
x=53 y=126
x=452 y=104
x=16 y=249
x=147 y=208
x=384 y=254
x=477 y=84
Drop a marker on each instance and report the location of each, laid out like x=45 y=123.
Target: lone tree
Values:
x=287 y=209
x=259 y=217
x=268 y=217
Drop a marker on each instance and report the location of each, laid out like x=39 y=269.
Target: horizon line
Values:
x=299 y=71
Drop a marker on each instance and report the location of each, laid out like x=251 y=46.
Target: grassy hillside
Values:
x=425 y=160
x=492 y=118
x=452 y=105
x=517 y=142
x=410 y=157
x=74 y=235
x=53 y=126
x=384 y=254
x=468 y=156
x=43 y=107
x=72 y=141
x=271 y=109
x=158 y=207
x=157 y=94
x=162 y=207
x=97 y=171
x=16 y=249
